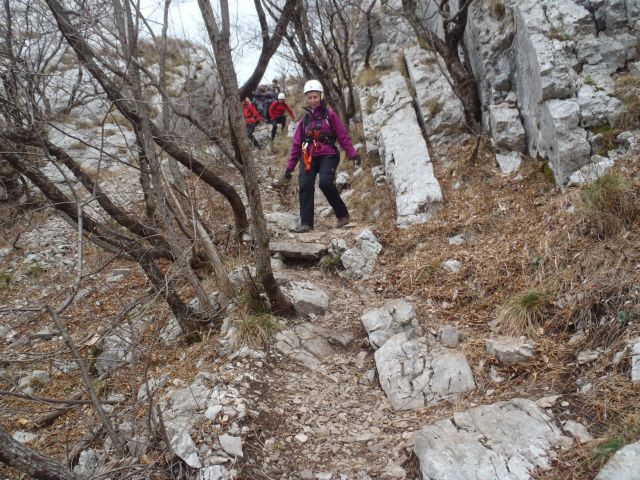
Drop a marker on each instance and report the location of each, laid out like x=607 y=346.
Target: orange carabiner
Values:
x=306 y=156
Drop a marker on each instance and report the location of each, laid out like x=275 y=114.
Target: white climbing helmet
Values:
x=281 y=96
x=313 y=86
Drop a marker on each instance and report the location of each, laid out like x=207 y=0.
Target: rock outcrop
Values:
x=506 y=440
x=413 y=375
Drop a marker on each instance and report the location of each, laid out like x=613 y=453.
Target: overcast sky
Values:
x=186 y=22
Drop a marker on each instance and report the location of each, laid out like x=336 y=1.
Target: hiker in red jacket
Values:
x=252 y=118
x=315 y=144
x=276 y=113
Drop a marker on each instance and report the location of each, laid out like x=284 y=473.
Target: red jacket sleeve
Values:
x=293 y=117
x=256 y=114
x=272 y=110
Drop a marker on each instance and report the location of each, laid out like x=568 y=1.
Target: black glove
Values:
x=287 y=175
x=357 y=160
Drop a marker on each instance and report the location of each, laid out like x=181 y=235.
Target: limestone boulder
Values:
x=310 y=344
x=299 y=250
x=591 y=171
x=307 y=298
x=409 y=168
x=360 y=260
x=624 y=465
x=412 y=375
x=440 y=109
x=505 y=440
x=507 y=131
x=393 y=317
x=509 y=162
x=510 y=350
x=283 y=220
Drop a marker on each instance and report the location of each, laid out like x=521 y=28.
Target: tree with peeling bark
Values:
x=219 y=36
x=441 y=25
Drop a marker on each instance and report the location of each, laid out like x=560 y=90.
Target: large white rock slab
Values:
x=503 y=441
x=307 y=298
x=507 y=131
x=393 y=317
x=624 y=465
x=359 y=261
x=441 y=110
x=299 y=250
x=591 y=171
x=408 y=167
x=412 y=375
x=391 y=128
x=283 y=220
x=510 y=350
x=310 y=344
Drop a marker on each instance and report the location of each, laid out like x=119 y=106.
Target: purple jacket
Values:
x=341 y=133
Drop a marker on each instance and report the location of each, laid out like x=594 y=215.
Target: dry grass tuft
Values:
x=498 y=7
x=610 y=205
x=627 y=90
x=524 y=314
x=368 y=77
x=256 y=330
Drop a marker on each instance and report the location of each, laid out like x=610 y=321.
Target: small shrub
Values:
x=5 y=280
x=424 y=44
x=557 y=33
x=331 y=262
x=588 y=80
x=524 y=314
x=434 y=106
x=627 y=90
x=498 y=8
x=618 y=437
x=547 y=171
x=35 y=271
x=608 y=139
x=609 y=205
x=256 y=330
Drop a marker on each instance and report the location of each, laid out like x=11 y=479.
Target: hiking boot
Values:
x=342 y=221
x=303 y=229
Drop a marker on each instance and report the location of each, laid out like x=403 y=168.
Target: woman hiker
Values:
x=315 y=141
x=251 y=118
x=276 y=113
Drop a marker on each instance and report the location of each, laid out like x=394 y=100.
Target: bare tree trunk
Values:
x=32 y=462
x=462 y=79
x=176 y=174
x=367 y=55
x=269 y=44
x=220 y=42
x=202 y=235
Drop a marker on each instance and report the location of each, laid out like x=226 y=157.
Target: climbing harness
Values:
x=315 y=139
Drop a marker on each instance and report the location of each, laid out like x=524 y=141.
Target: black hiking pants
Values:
x=250 y=128
x=325 y=167
x=282 y=120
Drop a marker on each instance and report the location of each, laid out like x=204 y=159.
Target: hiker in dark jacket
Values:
x=251 y=118
x=315 y=141
x=262 y=97
x=276 y=113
